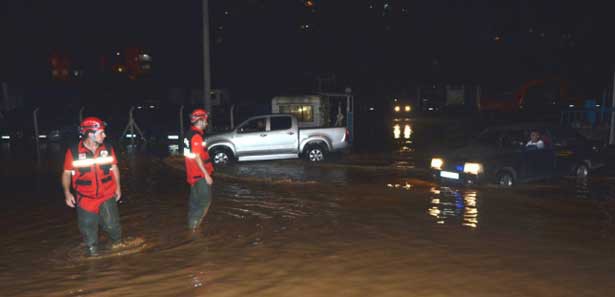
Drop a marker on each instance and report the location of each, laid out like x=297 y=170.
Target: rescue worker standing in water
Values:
x=198 y=169
x=90 y=167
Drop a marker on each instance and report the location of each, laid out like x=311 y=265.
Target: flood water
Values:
x=288 y=228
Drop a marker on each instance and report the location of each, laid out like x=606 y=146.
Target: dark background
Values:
x=262 y=48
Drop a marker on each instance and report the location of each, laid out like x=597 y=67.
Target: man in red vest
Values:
x=198 y=169
x=90 y=167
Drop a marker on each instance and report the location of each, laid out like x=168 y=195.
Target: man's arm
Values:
x=69 y=199
x=199 y=163
x=116 y=174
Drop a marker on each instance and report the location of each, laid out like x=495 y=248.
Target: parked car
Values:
x=275 y=136
x=501 y=155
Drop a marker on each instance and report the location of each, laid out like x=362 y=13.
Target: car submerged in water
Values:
x=501 y=155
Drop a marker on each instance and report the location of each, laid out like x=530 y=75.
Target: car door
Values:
x=251 y=138
x=565 y=144
x=282 y=136
x=541 y=161
x=513 y=147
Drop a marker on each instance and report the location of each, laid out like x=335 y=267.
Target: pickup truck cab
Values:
x=272 y=137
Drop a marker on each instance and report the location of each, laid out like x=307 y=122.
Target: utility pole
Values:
x=36 y=135
x=206 y=60
x=612 y=135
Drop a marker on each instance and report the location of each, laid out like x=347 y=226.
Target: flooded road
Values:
x=318 y=231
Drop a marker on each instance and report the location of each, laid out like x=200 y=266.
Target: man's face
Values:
x=203 y=124
x=534 y=136
x=98 y=136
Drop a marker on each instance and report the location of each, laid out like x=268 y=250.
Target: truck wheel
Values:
x=315 y=153
x=582 y=171
x=505 y=179
x=221 y=156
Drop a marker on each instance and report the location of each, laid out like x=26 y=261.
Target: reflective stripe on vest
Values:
x=89 y=162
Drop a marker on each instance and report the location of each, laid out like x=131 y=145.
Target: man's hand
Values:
x=69 y=199
x=118 y=194
x=208 y=179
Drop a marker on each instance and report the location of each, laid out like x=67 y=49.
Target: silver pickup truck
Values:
x=275 y=136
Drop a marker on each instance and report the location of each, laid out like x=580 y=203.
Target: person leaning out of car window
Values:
x=535 y=142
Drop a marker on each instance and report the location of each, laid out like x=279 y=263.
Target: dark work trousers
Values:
x=200 y=200
x=108 y=218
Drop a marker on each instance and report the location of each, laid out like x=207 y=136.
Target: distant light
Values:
x=571 y=105
x=173 y=137
x=42 y=136
x=120 y=69
x=152 y=107
x=430 y=109
x=117 y=53
x=407 y=131
x=139 y=107
x=145 y=57
x=597 y=105
x=226 y=12
x=131 y=135
x=395 y=99
x=497 y=38
x=397 y=108
x=309 y=3
x=371 y=109
x=6 y=137
x=407 y=108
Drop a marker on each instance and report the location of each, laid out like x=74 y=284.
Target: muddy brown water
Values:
x=322 y=231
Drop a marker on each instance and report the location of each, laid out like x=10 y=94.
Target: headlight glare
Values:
x=436 y=163
x=473 y=168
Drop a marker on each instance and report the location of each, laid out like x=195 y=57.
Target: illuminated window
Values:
x=304 y=113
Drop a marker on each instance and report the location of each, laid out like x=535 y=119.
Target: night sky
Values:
x=267 y=47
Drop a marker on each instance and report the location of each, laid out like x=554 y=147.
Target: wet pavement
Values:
x=290 y=228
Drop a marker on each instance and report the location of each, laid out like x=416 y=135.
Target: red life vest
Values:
x=193 y=173
x=92 y=176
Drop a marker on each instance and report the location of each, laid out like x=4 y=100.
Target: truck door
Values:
x=282 y=136
x=251 y=138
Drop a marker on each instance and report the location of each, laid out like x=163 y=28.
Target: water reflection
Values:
x=405 y=186
x=397 y=131
x=456 y=207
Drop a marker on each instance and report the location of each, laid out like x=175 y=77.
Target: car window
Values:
x=490 y=138
x=255 y=125
x=280 y=123
x=514 y=139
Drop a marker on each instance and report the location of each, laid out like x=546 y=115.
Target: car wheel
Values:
x=315 y=153
x=582 y=171
x=505 y=179
x=221 y=156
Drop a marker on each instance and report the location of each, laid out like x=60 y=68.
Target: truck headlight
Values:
x=473 y=168
x=436 y=163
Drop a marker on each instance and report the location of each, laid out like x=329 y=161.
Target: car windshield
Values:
x=489 y=137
